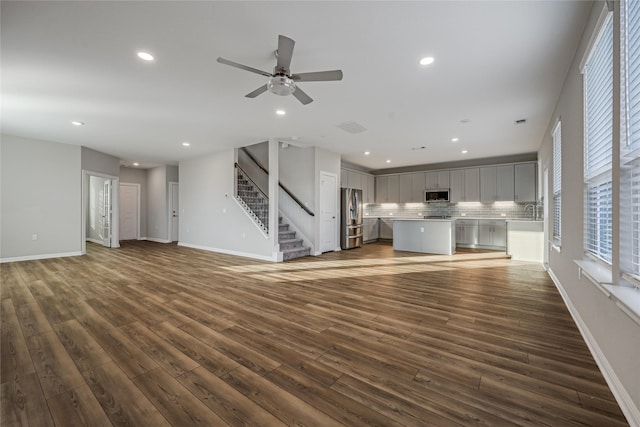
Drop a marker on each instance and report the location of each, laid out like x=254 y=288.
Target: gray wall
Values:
x=40 y=193
x=95 y=161
x=157 y=204
x=137 y=176
x=297 y=172
x=326 y=161
x=614 y=334
x=210 y=217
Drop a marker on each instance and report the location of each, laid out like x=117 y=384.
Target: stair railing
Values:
x=284 y=188
x=259 y=213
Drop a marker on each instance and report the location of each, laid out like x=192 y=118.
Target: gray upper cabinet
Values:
x=369 y=194
x=456 y=191
x=354 y=180
x=437 y=180
x=382 y=189
x=406 y=188
x=472 y=185
x=525 y=182
x=496 y=183
x=394 y=189
x=417 y=184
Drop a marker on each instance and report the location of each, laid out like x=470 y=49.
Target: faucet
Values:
x=534 y=210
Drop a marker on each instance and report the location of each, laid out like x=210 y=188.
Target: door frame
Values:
x=172 y=186
x=137 y=186
x=336 y=233
x=115 y=206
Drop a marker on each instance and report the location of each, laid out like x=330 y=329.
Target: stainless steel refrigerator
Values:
x=351 y=218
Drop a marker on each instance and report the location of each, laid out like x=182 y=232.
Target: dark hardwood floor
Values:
x=152 y=334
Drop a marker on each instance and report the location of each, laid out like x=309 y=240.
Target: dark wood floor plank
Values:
x=282 y=404
x=15 y=360
x=23 y=403
x=55 y=368
x=228 y=403
x=81 y=346
x=77 y=407
x=178 y=405
x=121 y=399
x=162 y=352
x=158 y=334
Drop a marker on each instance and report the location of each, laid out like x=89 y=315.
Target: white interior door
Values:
x=174 y=192
x=328 y=212
x=129 y=215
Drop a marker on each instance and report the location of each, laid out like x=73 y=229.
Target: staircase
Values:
x=290 y=246
x=257 y=204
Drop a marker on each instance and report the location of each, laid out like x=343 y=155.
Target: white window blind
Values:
x=598 y=83
x=557 y=181
x=630 y=144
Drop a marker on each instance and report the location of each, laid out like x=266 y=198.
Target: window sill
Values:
x=625 y=295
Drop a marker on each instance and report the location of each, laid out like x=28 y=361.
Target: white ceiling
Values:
x=495 y=62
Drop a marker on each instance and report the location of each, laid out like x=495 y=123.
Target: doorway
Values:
x=174 y=211
x=100 y=209
x=129 y=211
x=328 y=212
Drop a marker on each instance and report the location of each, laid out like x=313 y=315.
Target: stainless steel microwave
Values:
x=436 y=195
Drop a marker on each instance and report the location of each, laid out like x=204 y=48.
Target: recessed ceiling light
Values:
x=366 y=153
x=281 y=112
x=145 y=56
x=388 y=161
x=455 y=139
x=464 y=151
x=77 y=123
x=427 y=60
x=136 y=164
x=186 y=144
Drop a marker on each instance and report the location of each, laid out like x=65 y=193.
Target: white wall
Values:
x=137 y=176
x=210 y=217
x=40 y=193
x=613 y=336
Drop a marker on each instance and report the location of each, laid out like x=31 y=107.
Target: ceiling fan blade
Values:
x=285 y=52
x=301 y=96
x=318 y=76
x=260 y=90
x=244 y=67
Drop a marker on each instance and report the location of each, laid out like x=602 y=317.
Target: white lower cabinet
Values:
x=370 y=229
x=492 y=233
x=386 y=228
x=467 y=232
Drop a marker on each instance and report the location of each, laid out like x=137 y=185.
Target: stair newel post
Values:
x=274 y=177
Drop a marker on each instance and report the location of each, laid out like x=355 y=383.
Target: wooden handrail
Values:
x=286 y=190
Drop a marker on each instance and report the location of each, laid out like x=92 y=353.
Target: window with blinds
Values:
x=598 y=144
x=630 y=141
x=557 y=181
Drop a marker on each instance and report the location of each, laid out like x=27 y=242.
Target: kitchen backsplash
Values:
x=508 y=210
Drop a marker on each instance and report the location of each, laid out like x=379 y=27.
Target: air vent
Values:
x=521 y=121
x=351 y=127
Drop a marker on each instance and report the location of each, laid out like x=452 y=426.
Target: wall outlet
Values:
x=422 y=229
x=34 y=237
x=463 y=214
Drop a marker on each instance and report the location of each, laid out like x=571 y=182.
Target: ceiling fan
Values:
x=281 y=81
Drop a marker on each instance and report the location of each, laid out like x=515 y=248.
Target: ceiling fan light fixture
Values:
x=281 y=85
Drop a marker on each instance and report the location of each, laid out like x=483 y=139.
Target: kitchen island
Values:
x=433 y=236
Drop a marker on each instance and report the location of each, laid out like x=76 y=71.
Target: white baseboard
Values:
x=153 y=239
x=627 y=405
x=42 y=256
x=273 y=257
